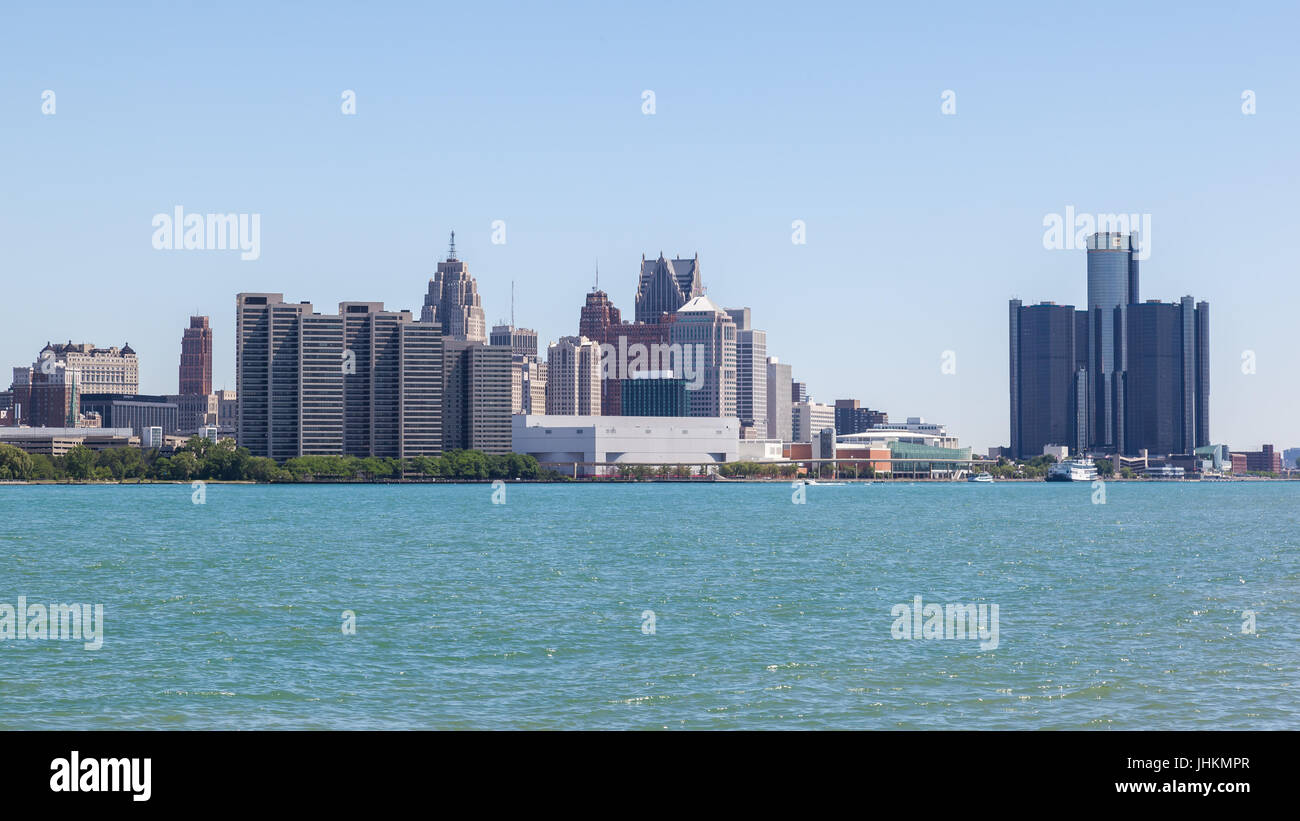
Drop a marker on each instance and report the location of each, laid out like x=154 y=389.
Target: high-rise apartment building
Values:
x=453 y=301
x=665 y=286
x=363 y=382
x=573 y=380
x=780 y=424
x=851 y=417
x=709 y=334
x=196 y=358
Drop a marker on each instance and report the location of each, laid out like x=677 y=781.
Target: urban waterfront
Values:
x=719 y=605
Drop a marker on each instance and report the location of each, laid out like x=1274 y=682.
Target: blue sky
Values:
x=920 y=226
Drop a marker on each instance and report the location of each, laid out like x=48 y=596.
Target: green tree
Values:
x=80 y=462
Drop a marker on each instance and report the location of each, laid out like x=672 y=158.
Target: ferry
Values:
x=982 y=478
x=1073 y=470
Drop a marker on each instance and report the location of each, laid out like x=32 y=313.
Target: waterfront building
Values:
x=665 y=286
x=195 y=411
x=1264 y=460
x=1167 y=390
x=780 y=421
x=573 y=380
x=453 y=301
x=1112 y=287
x=151 y=437
x=595 y=445
x=57 y=441
x=808 y=419
x=1048 y=378
x=196 y=358
x=709 y=334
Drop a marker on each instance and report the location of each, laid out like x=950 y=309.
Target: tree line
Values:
x=200 y=458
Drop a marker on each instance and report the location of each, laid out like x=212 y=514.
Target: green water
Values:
x=767 y=614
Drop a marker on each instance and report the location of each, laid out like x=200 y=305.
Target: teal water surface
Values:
x=766 y=614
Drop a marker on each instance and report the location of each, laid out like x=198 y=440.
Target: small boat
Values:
x=981 y=478
x=815 y=483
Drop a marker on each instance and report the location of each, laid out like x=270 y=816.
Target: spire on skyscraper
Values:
x=451 y=252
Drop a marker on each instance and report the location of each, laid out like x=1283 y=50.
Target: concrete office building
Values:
x=453 y=301
x=53 y=395
x=57 y=441
x=708 y=332
x=227 y=412
x=751 y=375
x=195 y=411
x=135 y=411
x=601 y=322
x=476 y=397
x=810 y=418
x=665 y=286
x=573 y=380
x=798 y=392
x=520 y=341
x=196 y=358
x=594 y=445
x=780 y=421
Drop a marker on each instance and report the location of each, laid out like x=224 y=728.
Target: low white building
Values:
x=761 y=450
x=592 y=445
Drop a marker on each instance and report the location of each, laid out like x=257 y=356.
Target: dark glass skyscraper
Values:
x=1167 y=381
x=1047 y=407
x=1112 y=287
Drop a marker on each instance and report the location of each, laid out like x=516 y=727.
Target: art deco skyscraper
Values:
x=453 y=301
x=573 y=383
x=196 y=358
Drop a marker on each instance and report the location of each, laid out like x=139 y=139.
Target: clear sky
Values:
x=920 y=225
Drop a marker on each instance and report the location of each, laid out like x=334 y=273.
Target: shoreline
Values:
x=613 y=481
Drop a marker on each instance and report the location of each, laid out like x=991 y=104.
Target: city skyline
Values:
x=901 y=202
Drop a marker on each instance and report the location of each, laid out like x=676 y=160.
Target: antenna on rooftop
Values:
x=451 y=254
x=512 y=305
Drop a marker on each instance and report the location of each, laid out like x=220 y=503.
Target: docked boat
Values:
x=1072 y=470
x=981 y=478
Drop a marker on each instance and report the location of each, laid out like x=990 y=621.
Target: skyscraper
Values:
x=476 y=397
x=600 y=322
x=521 y=341
x=780 y=424
x=751 y=374
x=1048 y=386
x=453 y=301
x=666 y=285
x=573 y=382
x=1112 y=287
x=1167 y=389
x=707 y=337
x=196 y=358
x=99 y=370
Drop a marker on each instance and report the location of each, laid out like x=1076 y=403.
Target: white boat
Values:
x=815 y=483
x=982 y=478
x=1072 y=470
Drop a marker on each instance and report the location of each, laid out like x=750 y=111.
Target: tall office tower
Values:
x=600 y=322
x=780 y=424
x=476 y=396
x=851 y=417
x=665 y=286
x=707 y=337
x=99 y=370
x=453 y=301
x=573 y=377
x=798 y=391
x=1048 y=387
x=196 y=358
x=519 y=340
x=527 y=385
x=1168 y=383
x=751 y=375
x=1112 y=287
x=356 y=383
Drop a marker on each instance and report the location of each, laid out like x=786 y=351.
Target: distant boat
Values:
x=982 y=478
x=1073 y=470
x=815 y=483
